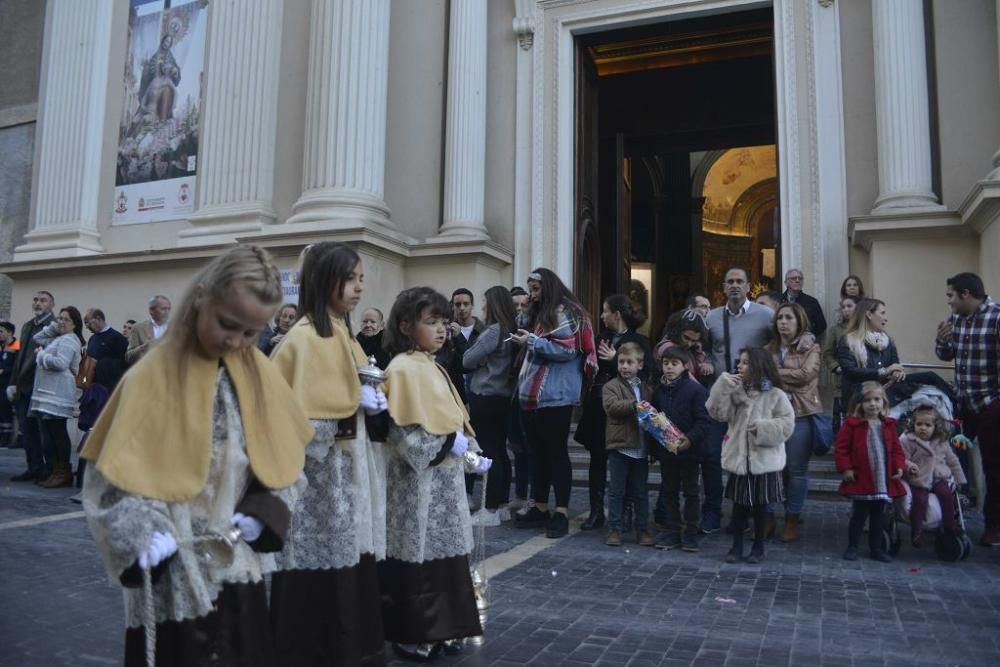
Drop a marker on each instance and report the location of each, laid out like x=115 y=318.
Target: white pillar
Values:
x=236 y=170
x=524 y=29
x=343 y=175
x=465 y=138
x=901 y=106
x=71 y=131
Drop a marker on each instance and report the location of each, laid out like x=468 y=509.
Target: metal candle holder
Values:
x=371 y=374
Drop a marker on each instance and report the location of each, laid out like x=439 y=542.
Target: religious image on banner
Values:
x=161 y=103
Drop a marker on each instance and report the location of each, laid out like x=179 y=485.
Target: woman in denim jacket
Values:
x=559 y=354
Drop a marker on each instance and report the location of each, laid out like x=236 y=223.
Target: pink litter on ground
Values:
x=914 y=569
x=719 y=598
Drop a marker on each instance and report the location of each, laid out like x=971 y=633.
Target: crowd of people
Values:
x=242 y=413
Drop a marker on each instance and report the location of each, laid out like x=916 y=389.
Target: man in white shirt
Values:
x=146 y=333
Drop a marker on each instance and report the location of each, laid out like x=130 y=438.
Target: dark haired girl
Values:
x=760 y=418
x=620 y=324
x=325 y=604
x=559 y=351
x=491 y=385
x=428 y=603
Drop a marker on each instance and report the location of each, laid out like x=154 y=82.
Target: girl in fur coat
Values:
x=931 y=467
x=760 y=419
x=869 y=457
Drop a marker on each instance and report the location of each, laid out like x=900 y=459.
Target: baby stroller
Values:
x=949 y=548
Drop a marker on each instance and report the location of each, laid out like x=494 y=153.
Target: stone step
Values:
x=824 y=480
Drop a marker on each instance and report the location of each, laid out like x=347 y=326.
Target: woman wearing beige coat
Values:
x=799 y=370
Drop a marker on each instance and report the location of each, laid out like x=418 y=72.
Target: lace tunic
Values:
x=123 y=523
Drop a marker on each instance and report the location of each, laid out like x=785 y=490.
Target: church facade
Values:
x=443 y=139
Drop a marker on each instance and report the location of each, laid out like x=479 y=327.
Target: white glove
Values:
x=250 y=527
x=372 y=400
x=461 y=444
x=11 y=390
x=482 y=466
x=161 y=547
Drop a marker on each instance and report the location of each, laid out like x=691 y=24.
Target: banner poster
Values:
x=290 y=286
x=161 y=105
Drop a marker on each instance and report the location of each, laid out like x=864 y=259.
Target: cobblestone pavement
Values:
x=579 y=602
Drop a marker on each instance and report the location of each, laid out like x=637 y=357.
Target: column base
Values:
x=463 y=231
x=59 y=241
x=907 y=200
x=225 y=223
x=340 y=207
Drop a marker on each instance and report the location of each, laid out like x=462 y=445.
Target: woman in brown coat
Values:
x=799 y=370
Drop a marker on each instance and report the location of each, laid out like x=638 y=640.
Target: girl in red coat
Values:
x=871 y=460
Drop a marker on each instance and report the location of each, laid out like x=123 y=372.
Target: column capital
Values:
x=524 y=23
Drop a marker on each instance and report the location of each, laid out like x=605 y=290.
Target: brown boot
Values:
x=644 y=539
x=791 y=530
x=62 y=475
x=614 y=538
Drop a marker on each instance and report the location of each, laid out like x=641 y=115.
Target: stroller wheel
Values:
x=966 y=545
x=951 y=548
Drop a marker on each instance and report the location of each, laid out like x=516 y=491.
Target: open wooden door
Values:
x=586 y=243
x=623 y=208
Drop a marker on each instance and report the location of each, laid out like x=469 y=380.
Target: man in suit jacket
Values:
x=794 y=294
x=22 y=383
x=146 y=333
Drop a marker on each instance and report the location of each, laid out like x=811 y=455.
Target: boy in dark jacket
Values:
x=681 y=399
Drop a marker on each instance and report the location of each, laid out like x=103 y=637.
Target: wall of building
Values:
x=989 y=267
x=909 y=275
x=968 y=99
x=858 y=66
x=418 y=47
x=500 y=116
x=21 y=28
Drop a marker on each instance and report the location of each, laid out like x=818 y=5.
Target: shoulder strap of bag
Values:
x=725 y=336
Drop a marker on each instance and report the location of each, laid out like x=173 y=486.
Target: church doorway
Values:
x=676 y=164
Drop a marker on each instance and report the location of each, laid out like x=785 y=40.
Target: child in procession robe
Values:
x=428 y=601
x=200 y=436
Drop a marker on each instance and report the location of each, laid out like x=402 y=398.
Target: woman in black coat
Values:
x=620 y=323
x=866 y=352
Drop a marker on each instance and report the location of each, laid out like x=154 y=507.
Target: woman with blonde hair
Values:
x=866 y=352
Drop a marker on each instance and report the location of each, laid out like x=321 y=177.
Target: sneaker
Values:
x=882 y=557
x=644 y=539
x=516 y=505
x=991 y=537
x=851 y=553
x=558 y=526
x=533 y=518
x=668 y=540
x=614 y=538
x=709 y=523
x=689 y=543
x=452 y=646
x=526 y=507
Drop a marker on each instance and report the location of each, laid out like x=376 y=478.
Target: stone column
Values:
x=465 y=137
x=524 y=29
x=71 y=125
x=901 y=106
x=236 y=170
x=343 y=174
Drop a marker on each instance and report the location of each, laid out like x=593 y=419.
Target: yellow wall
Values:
x=909 y=275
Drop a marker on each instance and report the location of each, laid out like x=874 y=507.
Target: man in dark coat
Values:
x=794 y=294
x=9 y=346
x=23 y=383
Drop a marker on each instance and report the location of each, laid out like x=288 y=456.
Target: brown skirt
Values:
x=428 y=602
x=236 y=632
x=328 y=617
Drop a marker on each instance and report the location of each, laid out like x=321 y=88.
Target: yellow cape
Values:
x=322 y=372
x=154 y=436
x=420 y=392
